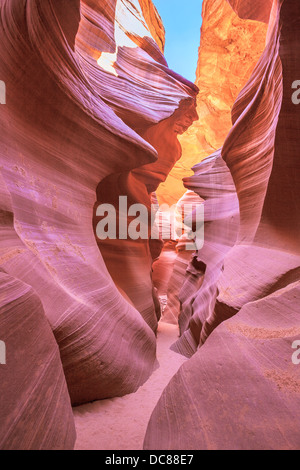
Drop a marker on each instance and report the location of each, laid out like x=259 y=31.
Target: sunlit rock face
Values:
x=229 y=50
x=243 y=386
x=126 y=66
x=154 y=22
x=72 y=120
x=135 y=277
x=132 y=75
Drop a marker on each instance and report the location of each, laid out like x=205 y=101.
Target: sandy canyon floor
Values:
x=121 y=423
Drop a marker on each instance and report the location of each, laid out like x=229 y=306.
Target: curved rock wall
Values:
x=249 y=153
x=136 y=78
x=241 y=390
x=62 y=135
x=35 y=406
x=242 y=387
x=214 y=184
x=230 y=47
x=135 y=277
x=80 y=124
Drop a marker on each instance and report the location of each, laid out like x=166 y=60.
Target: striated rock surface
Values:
x=136 y=78
x=126 y=67
x=230 y=48
x=214 y=184
x=242 y=385
x=168 y=274
x=249 y=153
x=93 y=113
x=154 y=22
x=259 y=10
x=135 y=277
x=35 y=408
x=241 y=390
x=62 y=134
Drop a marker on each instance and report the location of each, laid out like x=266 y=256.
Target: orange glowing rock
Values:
x=229 y=50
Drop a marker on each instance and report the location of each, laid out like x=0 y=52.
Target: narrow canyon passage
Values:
x=121 y=423
x=126 y=339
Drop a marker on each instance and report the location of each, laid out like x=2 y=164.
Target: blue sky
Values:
x=182 y=21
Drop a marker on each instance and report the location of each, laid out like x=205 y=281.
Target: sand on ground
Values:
x=121 y=423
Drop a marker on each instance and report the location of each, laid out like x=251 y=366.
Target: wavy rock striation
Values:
x=35 y=407
x=68 y=124
x=131 y=79
x=214 y=184
x=242 y=387
x=241 y=390
x=230 y=48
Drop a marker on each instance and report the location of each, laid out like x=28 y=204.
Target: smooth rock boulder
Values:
x=35 y=407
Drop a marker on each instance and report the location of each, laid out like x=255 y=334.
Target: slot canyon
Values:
x=186 y=340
